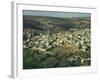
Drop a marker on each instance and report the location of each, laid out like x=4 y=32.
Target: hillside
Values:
x=42 y=23
x=50 y=42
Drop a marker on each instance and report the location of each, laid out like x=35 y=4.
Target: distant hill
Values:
x=54 y=23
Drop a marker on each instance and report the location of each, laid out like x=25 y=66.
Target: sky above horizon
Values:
x=55 y=14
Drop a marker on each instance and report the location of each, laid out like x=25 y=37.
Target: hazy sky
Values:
x=55 y=14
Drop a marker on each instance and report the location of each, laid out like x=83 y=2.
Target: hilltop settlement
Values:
x=56 y=42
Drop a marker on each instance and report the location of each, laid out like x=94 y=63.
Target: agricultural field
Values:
x=51 y=42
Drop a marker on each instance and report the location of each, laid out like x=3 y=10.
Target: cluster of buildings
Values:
x=80 y=39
